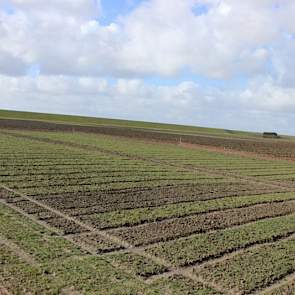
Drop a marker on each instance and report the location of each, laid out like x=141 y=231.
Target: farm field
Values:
x=217 y=139
x=90 y=121
x=84 y=213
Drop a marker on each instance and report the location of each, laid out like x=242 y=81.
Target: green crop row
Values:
x=137 y=264
x=98 y=180
x=205 y=246
x=95 y=243
x=253 y=269
x=64 y=183
x=33 y=238
x=179 y=285
x=62 y=268
x=51 y=190
x=170 y=153
x=143 y=215
x=180 y=227
x=86 y=275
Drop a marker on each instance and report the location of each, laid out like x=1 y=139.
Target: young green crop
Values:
x=253 y=269
x=63 y=268
x=35 y=239
x=172 y=229
x=179 y=285
x=205 y=246
x=169 y=153
x=286 y=288
x=136 y=264
x=143 y=215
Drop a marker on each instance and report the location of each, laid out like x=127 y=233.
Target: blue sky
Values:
x=7 y=7
x=219 y=63
x=200 y=9
x=112 y=9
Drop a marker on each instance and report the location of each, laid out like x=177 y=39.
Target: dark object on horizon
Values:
x=270 y=135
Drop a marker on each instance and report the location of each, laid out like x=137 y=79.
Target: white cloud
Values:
x=266 y=94
x=66 y=8
x=185 y=102
x=158 y=37
x=163 y=39
x=95 y=94
x=77 y=55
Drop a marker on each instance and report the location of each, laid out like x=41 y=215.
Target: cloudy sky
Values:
x=219 y=63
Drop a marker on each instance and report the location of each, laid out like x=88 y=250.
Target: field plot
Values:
x=96 y=214
x=275 y=170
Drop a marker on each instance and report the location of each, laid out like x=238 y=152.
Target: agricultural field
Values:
x=85 y=213
x=91 y=121
x=211 y=138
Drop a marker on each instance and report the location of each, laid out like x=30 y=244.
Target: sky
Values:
x=217 y=63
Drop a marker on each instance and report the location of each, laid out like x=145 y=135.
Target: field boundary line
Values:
x=45 y=225
x=18 y=251
x=60 y=214
x=85 y=226
x=210 y=284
